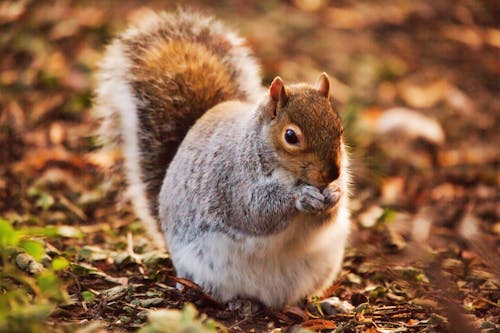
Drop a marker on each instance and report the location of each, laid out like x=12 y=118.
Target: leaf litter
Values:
x=418 y=90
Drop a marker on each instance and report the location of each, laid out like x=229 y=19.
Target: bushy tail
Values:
x=155 y=81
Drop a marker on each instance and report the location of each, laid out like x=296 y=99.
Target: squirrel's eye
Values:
x=291 y=137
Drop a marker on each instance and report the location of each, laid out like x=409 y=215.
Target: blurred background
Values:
x=417 y=85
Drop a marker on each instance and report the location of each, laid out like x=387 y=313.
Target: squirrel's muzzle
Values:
x=332 y=174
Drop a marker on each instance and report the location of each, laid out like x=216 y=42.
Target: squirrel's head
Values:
x=305 y=130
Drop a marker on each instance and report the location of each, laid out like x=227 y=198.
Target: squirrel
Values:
x=249 y=186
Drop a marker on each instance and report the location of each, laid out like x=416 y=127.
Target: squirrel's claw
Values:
x=332 y=196
x=310 y=199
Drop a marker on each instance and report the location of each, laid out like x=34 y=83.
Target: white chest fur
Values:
x=277 y=269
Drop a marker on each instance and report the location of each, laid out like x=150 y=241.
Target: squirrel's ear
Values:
x=277 y=91
x=323 y=85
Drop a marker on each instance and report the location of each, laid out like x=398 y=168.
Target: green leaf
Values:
x=33 y=248
x=49 y=231
x=50 y=286
x=47 y=281
x=88 y=296
x=59 y=263
x=8 y=236
x=363 y=307
x=27 y=317
x=186 y=320
x=45 y=201
x=389 y=215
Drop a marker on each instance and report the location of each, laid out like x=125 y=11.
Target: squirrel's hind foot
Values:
x=244 y=307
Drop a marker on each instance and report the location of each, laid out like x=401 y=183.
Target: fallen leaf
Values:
x=392 y=190
x=493 y=37
x=148 y=302
x=319 y=324
x=69 y=231
x=393 y=239
x=496 y=228
x=37 y=159
x=358 y=298
x=12 y=10
x=310 y=5
x=374 y=330
x=371 y=216
x=481 y=154
x=114 y=293
x=27 y=263
x=423 y=94
x=469 y=227
x=57 y=133
x=458 y=100
x=471 y=36
x=334 y=305
x=295 y=311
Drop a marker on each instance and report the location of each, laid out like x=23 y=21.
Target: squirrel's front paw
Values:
x=332 y=195
x=309 y=199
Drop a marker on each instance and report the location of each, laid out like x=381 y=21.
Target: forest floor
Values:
x=417 y=85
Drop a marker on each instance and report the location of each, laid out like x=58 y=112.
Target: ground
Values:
x=417 y=85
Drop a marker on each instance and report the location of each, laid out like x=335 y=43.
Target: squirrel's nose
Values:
x=333 y=173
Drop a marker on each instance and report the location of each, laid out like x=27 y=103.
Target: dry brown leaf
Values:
x=346 y=18
x=471 y=36
x=459 y=100
x=12 y=10
x=412 y=322
x=319 y=324
x=393 y=240
x=493 y=37
x=447 y=191
x=372 y=330
x=67 y=27
x=365 y=14
x=392 y=190
x=104 y=158
x=370 y=217
x=89 y=16
x=425 y=302
x=44 y=105
x=310 y=5
x=186 y=283
x=14 y=115
x=386 y=92
x=330 y=290
x=281 y=316
x=72 y=207
x=295 y=311
x=9 y=76
x=76 y=80
x=423 y=94
x=478 y=154
x=56 y=64
x=40 y=158
x=421 y=228
x=57 y=133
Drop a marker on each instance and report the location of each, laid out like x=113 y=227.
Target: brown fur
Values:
x=317 y=159
x=176 y=79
